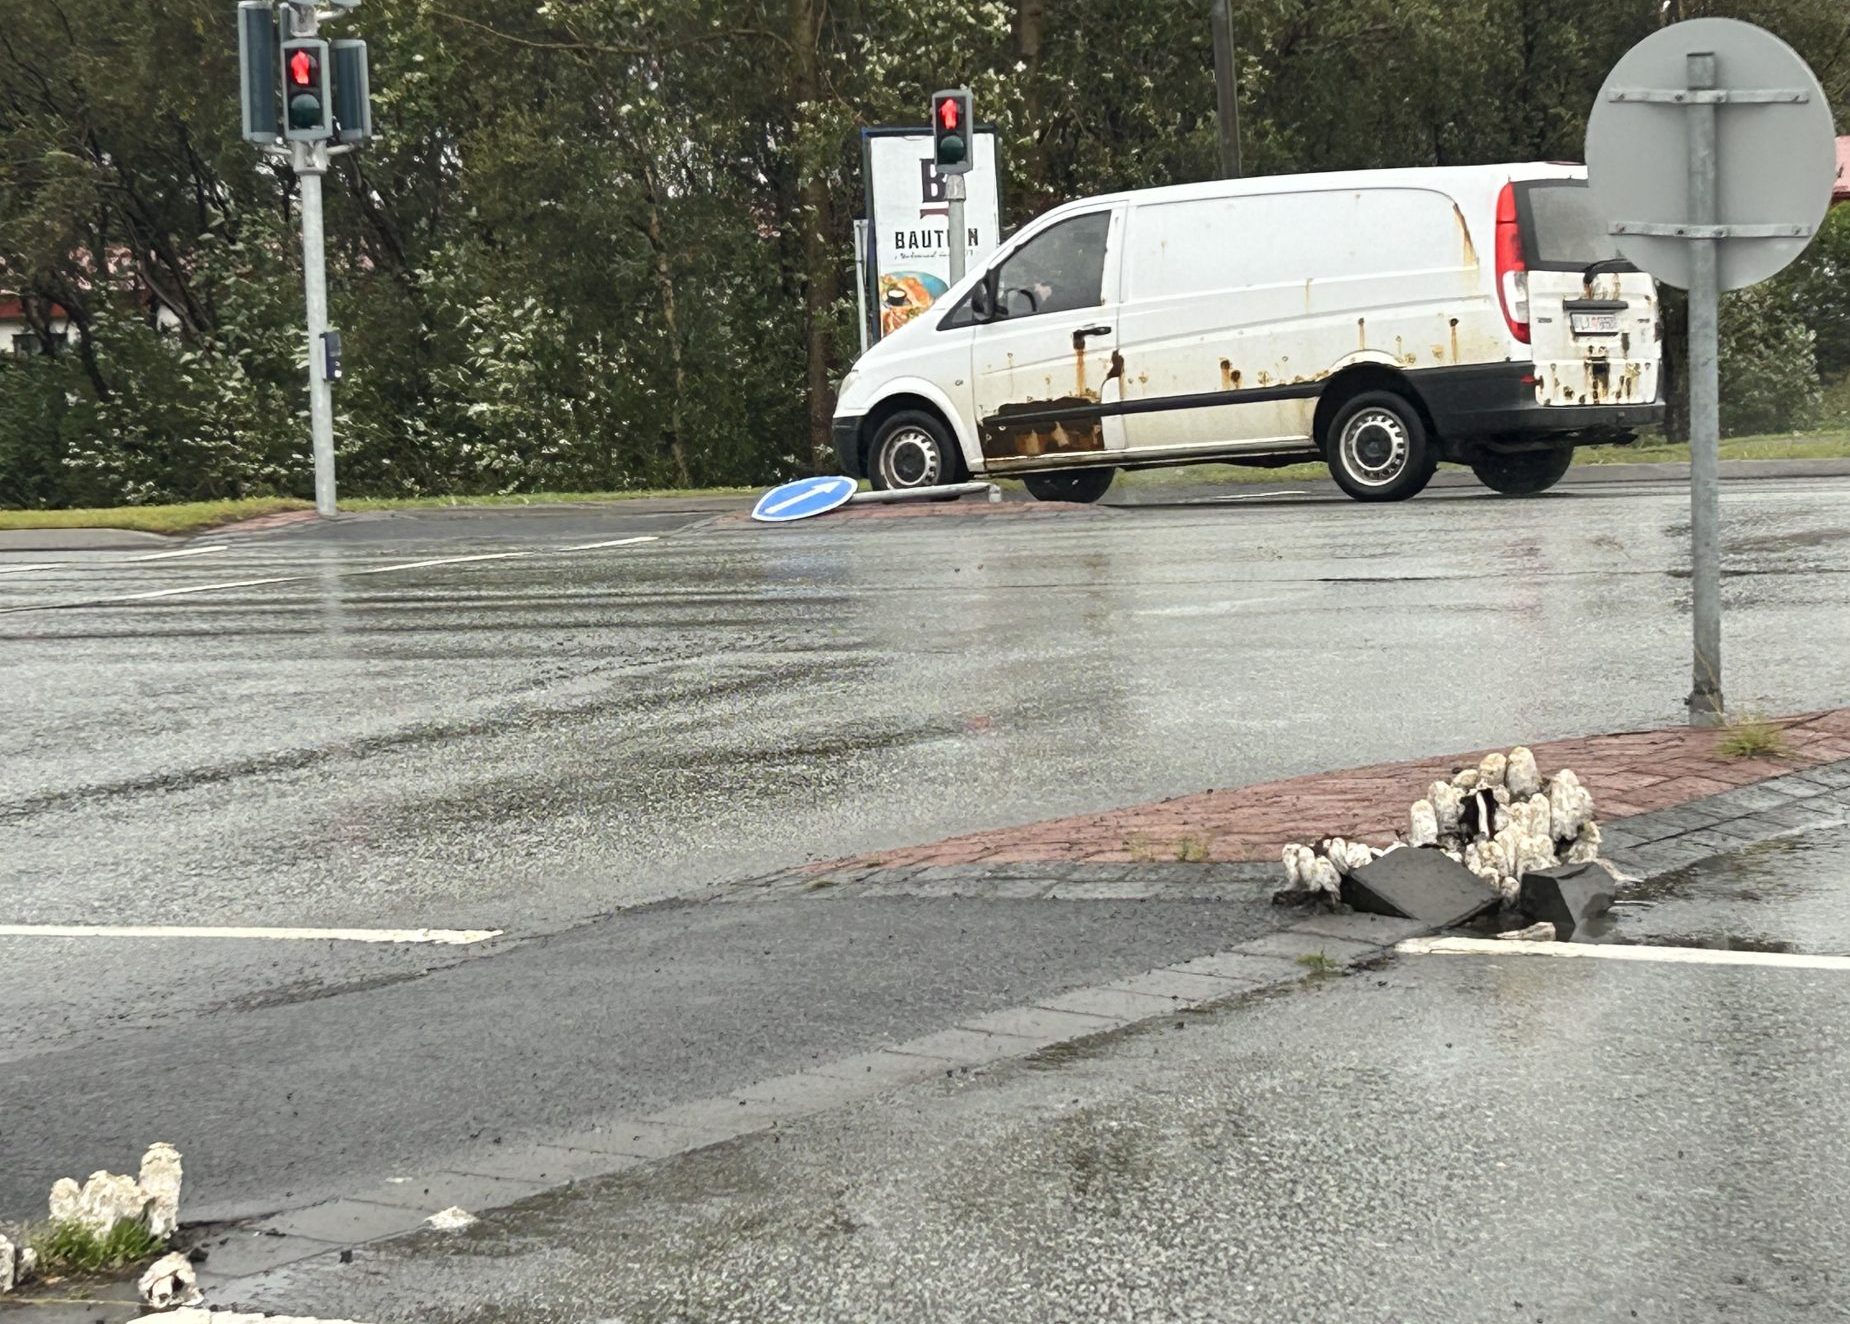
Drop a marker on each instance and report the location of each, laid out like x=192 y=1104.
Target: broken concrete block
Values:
x=169 y=1283
x=1491 y=771
x=9 y=1265
x=160 y=1183
x=1520 y=774
x=1567 y=896
x=1418 y=884
x=1423 y=828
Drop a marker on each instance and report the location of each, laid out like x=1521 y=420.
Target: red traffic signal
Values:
x=304 y=69
x=950 y=130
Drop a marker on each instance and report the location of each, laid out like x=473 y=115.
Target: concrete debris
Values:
x=108 y=1198
x=1423 y=830
x=170 y=1282
x=160 y=1182
x=1567 y=896
x=1448 y=806
x=1542 y=932
x=1500 y=821
x=9 y=1265
x=1418 y=884
x=1522 y=777
x=451 y=1219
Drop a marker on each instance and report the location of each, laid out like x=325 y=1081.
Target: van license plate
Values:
x=1594 y=324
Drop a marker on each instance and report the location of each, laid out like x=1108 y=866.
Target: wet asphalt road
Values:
x=1442 y=1138
x=526 y=743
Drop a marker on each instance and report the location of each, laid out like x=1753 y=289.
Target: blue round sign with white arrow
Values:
x=803 y=498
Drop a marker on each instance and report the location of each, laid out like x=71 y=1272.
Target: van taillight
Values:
x=1512 y=269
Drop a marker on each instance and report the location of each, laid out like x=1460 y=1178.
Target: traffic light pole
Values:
x=954 y=193
x=311 y=162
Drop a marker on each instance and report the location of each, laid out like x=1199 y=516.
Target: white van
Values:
x=1381 y=320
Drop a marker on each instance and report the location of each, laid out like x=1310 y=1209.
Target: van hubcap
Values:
x=910 y=459
x=1374 y=447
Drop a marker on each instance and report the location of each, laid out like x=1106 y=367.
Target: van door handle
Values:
x=1084 y=333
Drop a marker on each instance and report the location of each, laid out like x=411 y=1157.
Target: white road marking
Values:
x=110 y=563
x=439 y=937
x=441 y=560
x=198 y=1315
x=620 y=542
x=168 y=556
x=1616 y=952
x=199 y=588
x=1260 y=496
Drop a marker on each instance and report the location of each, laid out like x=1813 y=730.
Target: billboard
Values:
x=908 y=257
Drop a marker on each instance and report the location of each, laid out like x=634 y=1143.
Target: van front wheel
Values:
x=1377 y=448
x=1524 y=473
x=1086 y=485
x=913 y=449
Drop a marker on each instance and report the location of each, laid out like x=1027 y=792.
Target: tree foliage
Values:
x=605 y=243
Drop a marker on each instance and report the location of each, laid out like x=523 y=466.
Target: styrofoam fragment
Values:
x=1324 y=877
x=1448 y=803
x=9 y=1265
x=1520 y=773
x=1465 y=779
x=169 y=1282
x=1491 y=771
x=451 y=1219
x=160 y=1183
x=1541 y=931
x=1423 y=829
x=1297 y=865
x=1586 y=846
x=1501 y=794
x=1571 y=803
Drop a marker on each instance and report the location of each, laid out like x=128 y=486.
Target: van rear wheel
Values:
x=1377 y=448
x=1524 y=473
x=1086 y=485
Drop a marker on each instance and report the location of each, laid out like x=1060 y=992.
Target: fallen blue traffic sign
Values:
x=801 y=499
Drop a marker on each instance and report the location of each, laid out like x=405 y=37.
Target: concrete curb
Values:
x=490 y=1176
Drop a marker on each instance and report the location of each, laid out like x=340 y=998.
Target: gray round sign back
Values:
x=1775 y=161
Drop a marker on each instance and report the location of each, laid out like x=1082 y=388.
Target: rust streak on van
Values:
x=1454 y=325
x=1468 y=250
x=1227 y=375
x=1361 y=332
x=1005 y=438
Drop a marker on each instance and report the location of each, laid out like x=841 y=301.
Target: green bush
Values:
x=1769 y=364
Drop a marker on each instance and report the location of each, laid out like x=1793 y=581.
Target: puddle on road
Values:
x=1791 y=894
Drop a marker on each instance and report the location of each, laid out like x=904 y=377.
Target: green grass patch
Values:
x=1318 y=964
x=1191 y=849
x=188 y=517
x=71 y=1247
x=1752 y=737
x=543 y=498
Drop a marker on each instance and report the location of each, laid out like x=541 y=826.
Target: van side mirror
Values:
x=983 y=299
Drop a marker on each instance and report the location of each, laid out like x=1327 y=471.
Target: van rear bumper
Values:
x=1496 y=402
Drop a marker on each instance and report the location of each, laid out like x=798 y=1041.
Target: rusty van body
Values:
x=1379 y=320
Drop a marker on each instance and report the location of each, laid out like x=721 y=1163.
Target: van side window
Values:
x=1058 y=270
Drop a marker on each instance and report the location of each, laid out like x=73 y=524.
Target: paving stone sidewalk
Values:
x=1222 y=841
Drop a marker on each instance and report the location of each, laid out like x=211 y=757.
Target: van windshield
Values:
x=1561 y=228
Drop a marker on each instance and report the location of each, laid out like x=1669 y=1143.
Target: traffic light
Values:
x=308 y=110
x=952 y=131
x=353 y=96
x=257 y=69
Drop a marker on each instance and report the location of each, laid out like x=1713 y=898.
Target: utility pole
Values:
x=953 y=135
x=1226 y=88
x=326 y=110
x=955 y=193
x=1705 y=697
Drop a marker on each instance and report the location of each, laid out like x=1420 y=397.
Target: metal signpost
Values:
x=326 y=109
x=1710 y=150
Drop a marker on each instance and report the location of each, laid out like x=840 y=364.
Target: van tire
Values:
x=1081 y=485
x=1377 y=447
x=1524 y=473
x=913 y=449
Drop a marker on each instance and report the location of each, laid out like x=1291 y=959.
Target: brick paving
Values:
x=1629 y=773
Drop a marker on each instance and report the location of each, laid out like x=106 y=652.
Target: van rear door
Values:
x=1590 y=317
